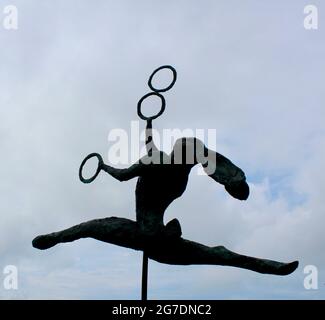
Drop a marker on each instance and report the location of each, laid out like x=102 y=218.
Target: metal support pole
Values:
x=144 y=289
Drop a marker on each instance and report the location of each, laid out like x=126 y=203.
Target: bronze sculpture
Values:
x=163 y=178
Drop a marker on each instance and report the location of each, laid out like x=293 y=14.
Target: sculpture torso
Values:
x=157 y=187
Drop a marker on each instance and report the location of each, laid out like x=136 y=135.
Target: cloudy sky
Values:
x=74 y=71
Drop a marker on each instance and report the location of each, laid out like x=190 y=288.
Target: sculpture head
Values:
x=191 y=151
x=185 y=151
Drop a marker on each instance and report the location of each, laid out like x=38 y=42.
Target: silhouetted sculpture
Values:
x=163 y=178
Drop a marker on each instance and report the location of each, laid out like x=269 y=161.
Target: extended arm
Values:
x=119 y=174
x=123 y=174
x=150 y=145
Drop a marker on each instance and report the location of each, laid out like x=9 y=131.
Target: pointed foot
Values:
x=288 y=268
x=44 y=242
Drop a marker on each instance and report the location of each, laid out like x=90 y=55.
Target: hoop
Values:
x=162 y=108
x=167 y=88
x=100 y=161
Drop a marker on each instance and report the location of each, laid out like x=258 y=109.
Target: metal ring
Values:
x=162 y=108
x=100 y=160
x=167 y=88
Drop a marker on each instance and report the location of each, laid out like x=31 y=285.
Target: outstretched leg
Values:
x=108 y=230
x=185 y=252
x=119 y=231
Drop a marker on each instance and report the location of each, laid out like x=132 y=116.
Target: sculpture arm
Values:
x=123 y=174
x=150 y=145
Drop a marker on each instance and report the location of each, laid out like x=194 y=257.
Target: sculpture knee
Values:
x=173 y=229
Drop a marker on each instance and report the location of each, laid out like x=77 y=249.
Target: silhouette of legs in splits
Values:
x=163 y=248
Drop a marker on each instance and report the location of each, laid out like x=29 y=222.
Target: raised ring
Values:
x=162 y=108
x=171 y=84
x=100 y=161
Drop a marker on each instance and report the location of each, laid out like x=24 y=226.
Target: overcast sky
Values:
x=74 y=70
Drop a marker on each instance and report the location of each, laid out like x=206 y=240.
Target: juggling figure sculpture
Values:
x=163 y=178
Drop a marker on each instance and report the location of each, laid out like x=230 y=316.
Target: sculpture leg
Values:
x=164 y=248
x=185 y=252
x=120 y=231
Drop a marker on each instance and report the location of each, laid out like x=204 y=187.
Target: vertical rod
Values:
x=144 y=289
